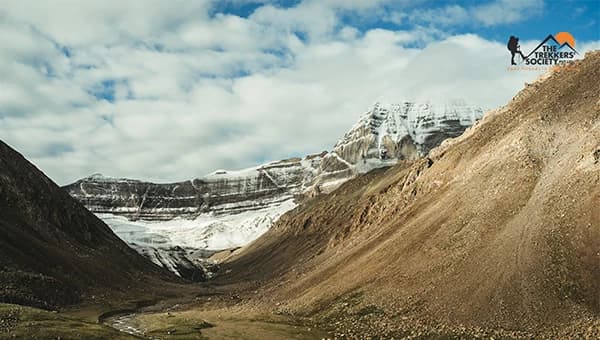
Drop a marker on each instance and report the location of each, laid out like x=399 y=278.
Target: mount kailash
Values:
x=177 y=225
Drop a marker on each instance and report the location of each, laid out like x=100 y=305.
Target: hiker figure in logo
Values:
x=514 y=48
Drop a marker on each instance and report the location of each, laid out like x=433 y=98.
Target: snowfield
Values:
x=207 y=232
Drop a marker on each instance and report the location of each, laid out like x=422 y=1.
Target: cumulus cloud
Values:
x=171 y=91
x=75 y=23
x=506 y=11
x=485 y=14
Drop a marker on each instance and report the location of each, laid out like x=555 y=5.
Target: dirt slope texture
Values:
x=53 y=250
x=498 y=229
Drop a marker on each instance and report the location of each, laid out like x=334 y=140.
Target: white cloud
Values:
x=444 y=16
x=194 y=92
x=492 y=13
x=506 y=11
x=74 y=23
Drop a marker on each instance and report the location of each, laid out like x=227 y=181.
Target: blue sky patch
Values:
x=533 y=20
x=105 y=90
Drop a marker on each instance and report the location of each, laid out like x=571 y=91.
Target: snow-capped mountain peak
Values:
x=405 y=130
x=231 y=208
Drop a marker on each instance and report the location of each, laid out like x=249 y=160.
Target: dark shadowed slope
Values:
x=53 y=250
x=498 y=228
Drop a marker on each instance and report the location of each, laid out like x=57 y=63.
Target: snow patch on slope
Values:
x=207 y=231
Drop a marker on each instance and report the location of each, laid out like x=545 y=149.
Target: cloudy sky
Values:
x=172 y=90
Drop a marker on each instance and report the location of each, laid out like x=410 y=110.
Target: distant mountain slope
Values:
x=383 y=135
x=227 y=209
x=53 y=250
x=497 y=230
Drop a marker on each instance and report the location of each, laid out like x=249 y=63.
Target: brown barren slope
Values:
x=54 y=252
x=498 y=231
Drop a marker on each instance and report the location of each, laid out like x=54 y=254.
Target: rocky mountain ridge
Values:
x=227 y=209
x=384 y=135
x=53 y=251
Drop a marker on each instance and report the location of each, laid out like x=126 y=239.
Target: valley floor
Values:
x=240 y=321
x=236 y=312
x=200 y=313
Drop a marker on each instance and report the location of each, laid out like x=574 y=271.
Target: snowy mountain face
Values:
x=226 y=209
x=404 y=131
x=221 y=192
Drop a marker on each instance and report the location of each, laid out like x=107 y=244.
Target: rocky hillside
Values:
x=496 y=233
x=53 y=250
